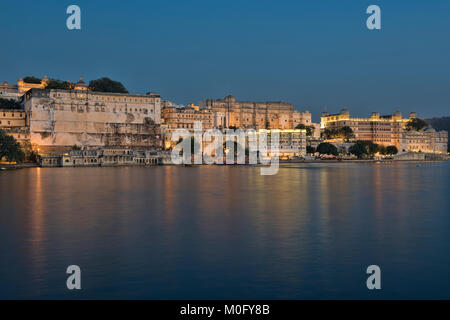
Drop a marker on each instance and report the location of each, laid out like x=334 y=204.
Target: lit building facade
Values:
x=12 y=118
x=292 y=142
x=16 y=91
x=175 y=117
x=184 y=118
x=384 y=130
x=58 y=119
x=13 y=123
x=428 y=141
x=228 y=112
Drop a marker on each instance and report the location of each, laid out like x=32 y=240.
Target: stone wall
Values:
x=61 y=118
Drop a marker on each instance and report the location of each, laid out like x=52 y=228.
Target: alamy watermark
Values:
x=374 y=280
x=236 y=146
x=74 y=280
x=73 y=22
x=374 y=20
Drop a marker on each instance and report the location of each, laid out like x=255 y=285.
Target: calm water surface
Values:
x=226 y=231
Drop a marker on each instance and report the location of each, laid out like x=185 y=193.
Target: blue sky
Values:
x=315 y=54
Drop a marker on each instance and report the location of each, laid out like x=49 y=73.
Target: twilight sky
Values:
x=315 y=54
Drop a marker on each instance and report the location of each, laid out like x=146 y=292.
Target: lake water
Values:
x=226 y=232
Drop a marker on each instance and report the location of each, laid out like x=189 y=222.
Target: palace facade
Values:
x=428 y=141
x=63 y=118
x=16 y=91
x=228 y=112
x=388 y=130
x=385 y=130
x=292 y=142
x=173 y=117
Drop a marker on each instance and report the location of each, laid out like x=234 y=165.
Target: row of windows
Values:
x=103 y=98
x=12 y=114
x=98 y=109
x=178 y=116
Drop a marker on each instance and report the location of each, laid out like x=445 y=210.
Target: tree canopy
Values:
x=10 y=149
x=416 y=124
x=31 y=79
x=310 y=149
x=327 y=148
x=364 y=149
x=29 y=153
x=107 y=85
x=309 y=129
x=391 y=150
x=345 y=133
x=59 y=84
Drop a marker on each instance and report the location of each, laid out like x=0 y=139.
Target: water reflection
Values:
x=225 y=231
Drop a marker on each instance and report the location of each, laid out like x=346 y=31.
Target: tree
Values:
x=59 y=84
x=309 y=129
x=391 y=150
x=363 y=149
x=107 y=85
x=76 y=147
x=416 y=124
x=29 y=153
x=346 y=133
x=310 y=149
x=382 y=149
x=327 y=148
x=329 y=133
x=31 y=79
x=51 y=84
x=358 y=149
x=10 y=149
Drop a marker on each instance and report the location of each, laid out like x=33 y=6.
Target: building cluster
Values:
x=119 y=128
x=388 y=130
x=101 y=157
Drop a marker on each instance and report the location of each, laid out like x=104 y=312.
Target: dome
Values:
x=81 y=82
x=230 y=97
x=80 y=85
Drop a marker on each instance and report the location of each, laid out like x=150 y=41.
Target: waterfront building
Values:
x=59 y=119
x=384 y=130
x=81 y=158
x=173 y=117
x=180 y=117
x=13 y=123
x=12 y=118
x=292 y=142
x=101 y=157
x=305 y=119
x=228 y=112
x=427 y=141
x=118 y=157
x=50 y=160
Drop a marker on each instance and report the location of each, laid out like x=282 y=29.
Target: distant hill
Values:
x=439 y=124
